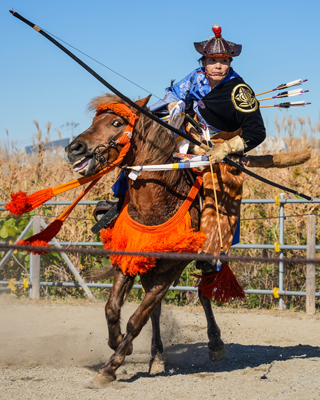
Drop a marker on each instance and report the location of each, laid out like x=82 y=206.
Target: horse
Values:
x=154 y=198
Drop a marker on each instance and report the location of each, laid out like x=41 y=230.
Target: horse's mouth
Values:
x=84 y=166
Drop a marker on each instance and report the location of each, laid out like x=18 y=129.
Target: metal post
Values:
x=70 y=265
x=30 y=274
x=36 y=263
x=281 y=255
x=311 y=268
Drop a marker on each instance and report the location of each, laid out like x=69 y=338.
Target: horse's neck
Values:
x=155 y=196
x=152 y=202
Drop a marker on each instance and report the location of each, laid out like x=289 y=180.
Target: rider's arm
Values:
x=253 y=129
x=183 y=90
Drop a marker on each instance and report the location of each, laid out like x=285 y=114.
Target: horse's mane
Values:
x=157 y=145
x=107 y=98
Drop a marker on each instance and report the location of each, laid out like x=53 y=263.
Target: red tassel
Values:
x=222 y=285
x=37 y=243
x=21 y=203
x=41 y=239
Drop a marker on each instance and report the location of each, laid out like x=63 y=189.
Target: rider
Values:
x=228 y=112
x=219 y=97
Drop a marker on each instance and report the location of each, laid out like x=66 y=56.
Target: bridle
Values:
x=99 y=153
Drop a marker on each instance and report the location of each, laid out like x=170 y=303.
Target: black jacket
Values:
x=231 y=106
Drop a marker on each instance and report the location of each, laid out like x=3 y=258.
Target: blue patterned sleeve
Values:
x=183 y=90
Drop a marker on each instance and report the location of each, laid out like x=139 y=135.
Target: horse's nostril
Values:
x=77 y=148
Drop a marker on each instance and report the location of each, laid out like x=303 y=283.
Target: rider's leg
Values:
x=228 y=183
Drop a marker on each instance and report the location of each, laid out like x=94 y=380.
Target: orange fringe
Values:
x=123 y=237
x=174 y=235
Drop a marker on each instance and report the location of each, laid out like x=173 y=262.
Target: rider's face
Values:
x=217 y=68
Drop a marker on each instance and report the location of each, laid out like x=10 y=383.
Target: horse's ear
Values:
x=143 y=102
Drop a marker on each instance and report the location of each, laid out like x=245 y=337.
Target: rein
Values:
x=147 y=113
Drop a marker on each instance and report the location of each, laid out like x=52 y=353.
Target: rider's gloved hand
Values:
x=177 y=113
x=219 y=151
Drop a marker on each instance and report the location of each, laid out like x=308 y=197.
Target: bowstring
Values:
x=98 y=62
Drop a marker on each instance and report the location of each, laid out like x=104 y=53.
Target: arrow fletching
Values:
x=285 y=85
x=290 y=84
x=295 y=92
x=294 y=104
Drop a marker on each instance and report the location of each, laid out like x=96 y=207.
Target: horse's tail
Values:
x=100 y=273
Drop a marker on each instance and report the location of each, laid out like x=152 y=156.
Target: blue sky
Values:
x=150 y=43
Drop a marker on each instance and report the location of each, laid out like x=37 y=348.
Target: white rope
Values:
x=195 y=162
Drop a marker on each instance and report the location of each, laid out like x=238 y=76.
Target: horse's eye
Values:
x=116 y=123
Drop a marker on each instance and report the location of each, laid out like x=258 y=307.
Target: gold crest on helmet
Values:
x=243 y=98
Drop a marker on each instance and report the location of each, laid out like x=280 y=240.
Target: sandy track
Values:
x=50 y=350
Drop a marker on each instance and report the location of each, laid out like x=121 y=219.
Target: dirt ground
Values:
x=51 y=350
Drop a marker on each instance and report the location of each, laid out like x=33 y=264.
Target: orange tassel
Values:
x=221 y=285
x=36 y=243
x=53 y=229
x=21 y=203
x=42 y=238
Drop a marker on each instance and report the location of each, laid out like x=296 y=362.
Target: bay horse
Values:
x=154 y=198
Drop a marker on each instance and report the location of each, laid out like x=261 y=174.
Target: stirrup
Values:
x=207 y=267
x=102 y=208
x=106 y=212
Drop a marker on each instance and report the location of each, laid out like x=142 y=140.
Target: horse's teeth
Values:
x=78 y=161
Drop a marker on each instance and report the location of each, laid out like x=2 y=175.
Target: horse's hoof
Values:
x=157 y=365
x=100 y=381
x=216 y=350
x=217 y=355
x=130 y=350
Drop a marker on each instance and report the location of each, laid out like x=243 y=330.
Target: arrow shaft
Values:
x=273 y=90
x=287 y=105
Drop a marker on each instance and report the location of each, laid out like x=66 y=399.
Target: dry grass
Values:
x=47 y=169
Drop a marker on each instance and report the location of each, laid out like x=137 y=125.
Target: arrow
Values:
x=284 y=86
x=295 y=92
x=292 y=104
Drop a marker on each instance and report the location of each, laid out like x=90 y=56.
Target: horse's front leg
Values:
x=156 y=365
x=121 y=287
x=136 y=322
x=216 y=345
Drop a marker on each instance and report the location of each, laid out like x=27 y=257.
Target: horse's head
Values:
x=108 y=126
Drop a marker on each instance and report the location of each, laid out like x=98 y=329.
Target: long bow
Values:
x=153 y=117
